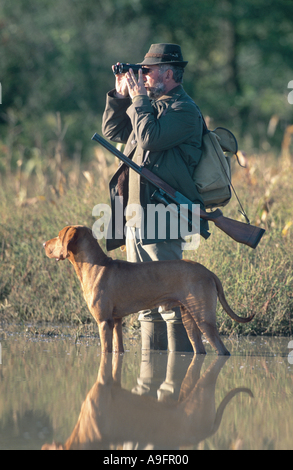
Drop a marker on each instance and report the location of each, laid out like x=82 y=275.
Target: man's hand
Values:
x=135 y=87
x=121 y=85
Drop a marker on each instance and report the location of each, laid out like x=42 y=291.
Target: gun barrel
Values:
x=116 y=152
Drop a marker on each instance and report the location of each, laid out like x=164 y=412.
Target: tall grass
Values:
x=42 y=196
x=257 y=281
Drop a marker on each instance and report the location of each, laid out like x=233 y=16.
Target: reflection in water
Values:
x=112 y=417
x=56 y=390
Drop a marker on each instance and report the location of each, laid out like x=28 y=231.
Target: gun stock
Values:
x=246 y=234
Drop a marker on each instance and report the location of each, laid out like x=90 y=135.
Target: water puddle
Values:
x=62 y=391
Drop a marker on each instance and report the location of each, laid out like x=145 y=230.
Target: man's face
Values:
x=154 y=82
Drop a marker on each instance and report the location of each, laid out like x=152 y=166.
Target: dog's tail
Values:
x=226 y=306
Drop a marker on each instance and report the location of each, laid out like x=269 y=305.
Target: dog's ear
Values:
x=68 y=238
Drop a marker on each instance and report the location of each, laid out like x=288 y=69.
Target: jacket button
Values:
x=133 y=142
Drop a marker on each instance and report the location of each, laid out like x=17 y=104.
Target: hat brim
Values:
x=153 y=61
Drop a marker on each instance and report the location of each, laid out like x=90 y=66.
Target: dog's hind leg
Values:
x=213 y=337
x=192 y=330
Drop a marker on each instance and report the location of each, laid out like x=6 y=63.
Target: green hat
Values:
x=164 y=54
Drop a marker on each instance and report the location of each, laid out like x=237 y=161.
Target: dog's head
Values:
x=66 y=242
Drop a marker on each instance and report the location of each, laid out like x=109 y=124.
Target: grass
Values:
x=39 y=199
x=257 y=281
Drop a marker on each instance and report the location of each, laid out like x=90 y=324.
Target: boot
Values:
x=153 y=331
x=177 y=338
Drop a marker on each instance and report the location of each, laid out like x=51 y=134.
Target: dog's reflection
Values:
x=115 y=418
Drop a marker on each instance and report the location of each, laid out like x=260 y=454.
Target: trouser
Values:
x=159 y=329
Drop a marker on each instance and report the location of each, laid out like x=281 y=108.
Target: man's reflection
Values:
x=164 y=411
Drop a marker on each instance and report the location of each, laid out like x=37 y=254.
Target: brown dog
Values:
x=113 y=289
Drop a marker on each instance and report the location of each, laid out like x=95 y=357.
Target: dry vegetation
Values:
x=47 y=193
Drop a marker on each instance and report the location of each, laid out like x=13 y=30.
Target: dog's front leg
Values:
x=117 y=336
x=106 y=335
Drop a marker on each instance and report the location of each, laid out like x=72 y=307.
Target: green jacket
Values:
x=167 y=135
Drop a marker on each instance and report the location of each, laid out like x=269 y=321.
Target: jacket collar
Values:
x=174 y=93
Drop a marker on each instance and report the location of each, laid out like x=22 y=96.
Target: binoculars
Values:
x=123 y=68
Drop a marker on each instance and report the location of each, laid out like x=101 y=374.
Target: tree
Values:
x=56 y=56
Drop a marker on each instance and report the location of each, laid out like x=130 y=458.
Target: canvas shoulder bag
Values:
x=212 y=175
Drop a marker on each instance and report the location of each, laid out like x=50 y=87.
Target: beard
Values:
x=156 y=91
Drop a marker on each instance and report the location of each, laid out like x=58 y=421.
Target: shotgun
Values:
x=240 y=232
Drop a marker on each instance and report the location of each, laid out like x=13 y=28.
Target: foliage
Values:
x=57 y=56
